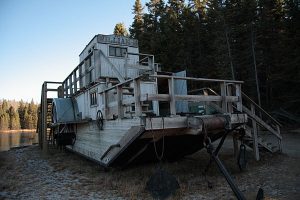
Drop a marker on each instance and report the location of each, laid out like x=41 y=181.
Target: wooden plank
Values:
x=254 y=135
x=165 y=122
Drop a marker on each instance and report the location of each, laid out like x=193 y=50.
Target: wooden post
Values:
x=137 y=96
x=119 y=102
x=60 y=92
x=105 y=104
x=238 y=93
x=279 y=140
x=229 y=93
x=75 y=81
x=223 y=94
x=172 y=96
x=254 y=134
x=70 y=84
x=44 y=119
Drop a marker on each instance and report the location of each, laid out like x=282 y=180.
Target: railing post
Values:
x=223 y=94
x=229 y=93
x=238 y=92
x=119 y=102
x=70 y=84
x=74 y=81
x=254 y=134
x=172 y=96
x=137 y=96
x=105 y=104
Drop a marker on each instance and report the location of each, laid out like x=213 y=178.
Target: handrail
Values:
x=261 y=109
x=197 y=79
x=119 y=84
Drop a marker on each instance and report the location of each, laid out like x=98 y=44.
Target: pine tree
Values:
x=136 y=29
x=21 y=111
x=14 y=120
x=120 y=29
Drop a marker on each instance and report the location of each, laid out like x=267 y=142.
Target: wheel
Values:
x=99 y=120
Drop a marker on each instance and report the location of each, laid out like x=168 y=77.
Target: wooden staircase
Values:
x=262 y=130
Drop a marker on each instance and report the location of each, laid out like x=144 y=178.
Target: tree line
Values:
x=18 y=115
x=256 y=41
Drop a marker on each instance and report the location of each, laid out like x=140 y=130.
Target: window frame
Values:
x=93 y=98
x=117 y=51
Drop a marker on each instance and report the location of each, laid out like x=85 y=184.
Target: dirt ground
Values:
x=27 y=174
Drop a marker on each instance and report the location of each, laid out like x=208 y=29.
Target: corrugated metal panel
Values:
x=63 y=110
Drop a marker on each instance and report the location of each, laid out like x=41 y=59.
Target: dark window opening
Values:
x=117 y=51
x=93 y=98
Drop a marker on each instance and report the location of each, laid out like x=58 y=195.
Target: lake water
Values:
x=14 y=139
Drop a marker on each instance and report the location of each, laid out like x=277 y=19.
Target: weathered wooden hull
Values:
x=122 y=142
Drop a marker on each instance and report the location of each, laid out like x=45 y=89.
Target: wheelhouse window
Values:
x=117 y=51
x=93 y=98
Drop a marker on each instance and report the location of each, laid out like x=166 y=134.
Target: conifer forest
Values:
x=15 y=115
x=256 y=41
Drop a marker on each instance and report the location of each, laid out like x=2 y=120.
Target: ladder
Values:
x=46 y=136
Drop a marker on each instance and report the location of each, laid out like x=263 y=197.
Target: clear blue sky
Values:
x=41 y=39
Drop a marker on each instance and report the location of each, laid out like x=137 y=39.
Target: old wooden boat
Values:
x=118 y=107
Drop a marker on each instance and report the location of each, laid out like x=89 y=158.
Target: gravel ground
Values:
x=27 y=174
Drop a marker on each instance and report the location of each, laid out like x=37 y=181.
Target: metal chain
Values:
x=159 y=157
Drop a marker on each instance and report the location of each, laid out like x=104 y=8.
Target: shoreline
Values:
x=19 y=130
